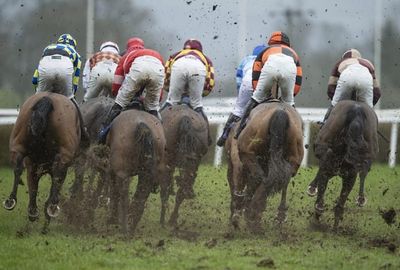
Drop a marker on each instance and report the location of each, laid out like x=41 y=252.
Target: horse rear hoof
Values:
x=33 y=215
x=312 y=191
x=9 y=204
x=53 y=210
x=361 y=201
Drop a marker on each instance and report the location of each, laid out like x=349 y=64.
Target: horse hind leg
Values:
x=10 y=203
x=322 y=179
x=33 y=181
x=282 y=209
x=58 y=174
x=165 y=186
x=361 y=200
x=144 y=187
x=347 y=186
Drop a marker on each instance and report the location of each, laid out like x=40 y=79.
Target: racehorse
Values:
x=93 y=112
x=186 y=134
x=137 y=147
x=46 y=138
x=270 y=148
x=235 y=177
x=345 y=146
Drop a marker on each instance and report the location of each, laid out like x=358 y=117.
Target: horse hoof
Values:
x=312 y=191
x=9 y=204
x=235 y=220
x=281 y=218
x=319 y=210
x=53 y=210
x=361 y=201
x=33 y=215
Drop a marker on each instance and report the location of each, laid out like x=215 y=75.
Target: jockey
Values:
x=189 y=72
x=353 y=78
x=139 y=70
x=58 y=71
x=244 y=89
x=98 y=72
x=277 y=64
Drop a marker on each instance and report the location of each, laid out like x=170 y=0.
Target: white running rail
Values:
x=218 y=110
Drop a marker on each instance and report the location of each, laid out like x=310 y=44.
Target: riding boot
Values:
x=105 y=127
x=227 y=129
x=251 y=105
x=166 y=105
x=155 y=113
x=328 y=112
x=85 y=139
x=200 y=111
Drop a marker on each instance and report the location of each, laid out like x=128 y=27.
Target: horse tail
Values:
x=145 y=142
x=279 y=169
x=357 y=147
x=189 y=144
x=39 y=119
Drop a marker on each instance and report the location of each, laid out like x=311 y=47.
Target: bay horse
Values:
x=137 y=147
x=46 y=138
x=270 y=149
x=186 y=133
x=94 y=111
x=345 y=146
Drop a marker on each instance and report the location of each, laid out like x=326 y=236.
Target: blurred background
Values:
x=320 y=31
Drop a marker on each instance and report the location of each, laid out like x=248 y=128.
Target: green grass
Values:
x=204 y=241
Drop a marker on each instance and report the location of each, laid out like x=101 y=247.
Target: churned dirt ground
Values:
x=368 y=238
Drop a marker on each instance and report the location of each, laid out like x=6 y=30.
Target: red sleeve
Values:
x=119 y=76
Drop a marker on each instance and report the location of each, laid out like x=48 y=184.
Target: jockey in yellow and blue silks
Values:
x=60 y=65
x=58 y=72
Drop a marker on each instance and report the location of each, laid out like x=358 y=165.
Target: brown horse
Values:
x=345 y=146
x=235 y=177
x=271 y=150
x=137 y=147
x=186 y=134
x=93 y=112
x=46 y=138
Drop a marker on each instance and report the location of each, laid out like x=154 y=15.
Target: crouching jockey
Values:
x=58 y=72
x=245 y=91
x=189 y=72
x=279 y=65
x=353 y=78
x=98 y=73
x=140 y=70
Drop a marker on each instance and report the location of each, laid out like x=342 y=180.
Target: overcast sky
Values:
x=230 y=29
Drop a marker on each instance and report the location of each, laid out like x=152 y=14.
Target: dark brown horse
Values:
x=46 y=139
x=90 y=161
x=186 y=134
x=137 y=147
x=345 y=146
x=271 y=150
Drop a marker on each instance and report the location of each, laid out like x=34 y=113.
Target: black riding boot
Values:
x=85 y=140
x=227 y=129
x=105 y=127
x=166 y=105
x=155 y=113
x=200 y=111
x=251 y=105
x=328 y=112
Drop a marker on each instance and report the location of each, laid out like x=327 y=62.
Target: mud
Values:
x=267 y=263
x=388 y=215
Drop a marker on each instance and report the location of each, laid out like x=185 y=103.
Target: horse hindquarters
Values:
x=147 y=181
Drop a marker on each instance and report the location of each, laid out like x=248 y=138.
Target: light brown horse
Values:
x=270 y=150
x=346 y=146
x=137 y=147
x=46 y=138
x=186 y=134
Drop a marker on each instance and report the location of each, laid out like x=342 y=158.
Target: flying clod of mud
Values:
x=388 y=215
x=267 y=262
